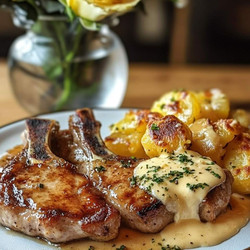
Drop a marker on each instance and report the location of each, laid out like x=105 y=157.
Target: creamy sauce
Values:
x=181 y=181
x=185 y=234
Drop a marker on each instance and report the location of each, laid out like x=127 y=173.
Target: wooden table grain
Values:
x=147 y=82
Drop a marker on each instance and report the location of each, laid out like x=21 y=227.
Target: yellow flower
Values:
x=97 y=10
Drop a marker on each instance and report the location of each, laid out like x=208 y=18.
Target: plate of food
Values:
x=170 y=177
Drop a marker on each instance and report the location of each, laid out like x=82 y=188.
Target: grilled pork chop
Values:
x=42 y=195
x=112 y=175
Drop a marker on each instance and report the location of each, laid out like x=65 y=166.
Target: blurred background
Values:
x=203 y=32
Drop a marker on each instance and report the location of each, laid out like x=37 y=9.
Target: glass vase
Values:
x=59 y=65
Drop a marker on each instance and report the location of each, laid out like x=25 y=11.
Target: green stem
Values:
x=61 y=40
x=67 y=88
x=69 y=73
x=62 y=63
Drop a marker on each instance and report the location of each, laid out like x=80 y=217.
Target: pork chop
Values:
x=42 y=195
x=112 y=175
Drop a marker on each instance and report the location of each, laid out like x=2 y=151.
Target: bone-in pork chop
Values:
x=42 y=195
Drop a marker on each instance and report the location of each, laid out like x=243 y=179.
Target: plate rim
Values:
x=59 y=112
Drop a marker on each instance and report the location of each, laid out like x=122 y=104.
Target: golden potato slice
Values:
x=126 y=134
x=242 y=116
x=237 y=160
x=182 y=104
x=126 y=144
x=129 y=123
x=227 y=129
x=214 y=104
x=210 y=138
x=165 y=134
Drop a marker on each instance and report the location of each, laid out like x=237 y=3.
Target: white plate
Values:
x=10 y=136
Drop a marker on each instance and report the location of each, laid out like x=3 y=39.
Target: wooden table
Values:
x=148 y=82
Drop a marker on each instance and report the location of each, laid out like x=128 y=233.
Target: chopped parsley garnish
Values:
x=149 y=188
x=210 y=163
x=188 y=170
x=122 y=247
x=162 y=106
x=175 y=180
x=157 y=179
x=153 y=169
x=100 y=169
x=154 y=127
x=204 y=157
x=132 y=181
x=143 y=177
x=184 y=159
x=91 y=248
x=126 y=163
x=193 y=187
x=215 y=174
x=209 y=169
x=174 y=176
x=172 y=157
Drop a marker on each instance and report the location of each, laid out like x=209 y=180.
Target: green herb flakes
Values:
x=154 y=127
x=184 y=159
x=126 y=163
x=122 y=247
x=132 y=181
x=209 y=169
x=100 y=169
x=193 y=187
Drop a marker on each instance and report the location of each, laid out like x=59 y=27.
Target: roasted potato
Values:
x=125 y=137
x=237 y=160
x=214 y=104
x=210 y=138
x=227 y=129
x=242 y=116
x=165 y=134
x=182 y=104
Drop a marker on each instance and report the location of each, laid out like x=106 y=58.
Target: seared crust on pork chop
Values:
x=112 y=175
x=42 y=195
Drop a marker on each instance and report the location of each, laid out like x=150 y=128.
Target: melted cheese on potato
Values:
x=180 y=180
